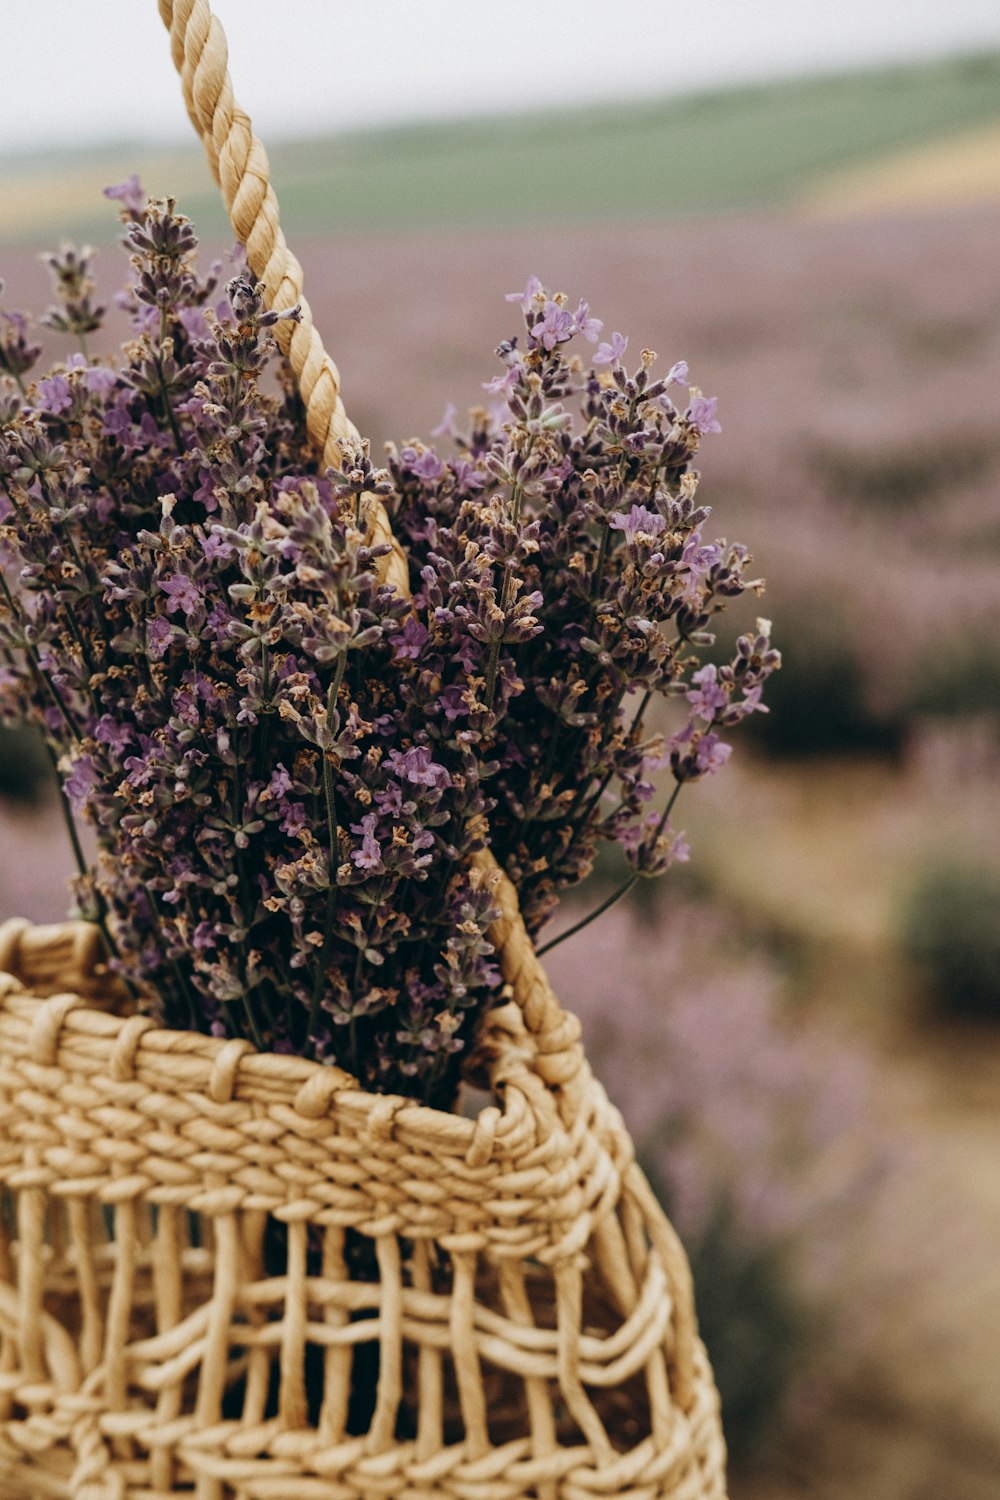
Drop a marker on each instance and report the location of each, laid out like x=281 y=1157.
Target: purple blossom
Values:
x=108 y=731
x=81 y=780
x=129 y=194
x=215 y=546
x=455 y=702
x=294 y=819
x=446 y=426
x=638 y=523
x=54 y=394
x=556 y=326
x=701 y=414
x=369 y=856
x=502 y=385
x=585 y=325
x=182 y=594
x=677 y=374
x=194 y=323
x=428 y=465
x=610 y=354
x=280 y=782
x=159 y=633
x=412 y=639
x=99 y=380
x=204 y=938
x=526 y=298
x=417 y=766
x=694 y=752
x=709 y=695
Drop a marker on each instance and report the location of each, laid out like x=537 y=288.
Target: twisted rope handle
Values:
x=240 y=166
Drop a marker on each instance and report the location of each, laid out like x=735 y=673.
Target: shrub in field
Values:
x=758 y=1128
x=820 y=700
x=951 y=929
x=900 y=478
x=25 y=769
x=757 y=1330
x=962 y=681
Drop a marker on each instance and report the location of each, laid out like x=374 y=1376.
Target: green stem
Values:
x=517 y=497
x=329 y=796
x=591 y=916
x=593 y=802
x=158 y=362
x=100 y=918
x=38 y=671
x=616 y=895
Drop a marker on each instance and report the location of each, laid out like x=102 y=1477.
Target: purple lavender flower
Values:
x=638 y=522
x=701 y=414
x=287 y=766
x=708 y=695
x=610 y=354
x=411 y=640
x=54 y=395
x=369 y=856
x=557 y=325
x=527 y=297
x=129 y=194
x=416 y=765
x=588 y=327
x=182 y=593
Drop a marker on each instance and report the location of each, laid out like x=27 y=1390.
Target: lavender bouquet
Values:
x=285 y=765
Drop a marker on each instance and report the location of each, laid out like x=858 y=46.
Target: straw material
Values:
x=205 y=1251
x=530 y=1308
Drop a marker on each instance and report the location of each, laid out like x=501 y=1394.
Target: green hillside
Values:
x=742 y=147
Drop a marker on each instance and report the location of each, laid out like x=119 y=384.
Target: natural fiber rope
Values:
x=239 y=163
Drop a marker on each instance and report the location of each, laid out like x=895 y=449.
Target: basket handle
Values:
x=240 y=166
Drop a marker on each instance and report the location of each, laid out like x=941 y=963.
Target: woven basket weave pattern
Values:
x=140 y=1168
x=528 y=1305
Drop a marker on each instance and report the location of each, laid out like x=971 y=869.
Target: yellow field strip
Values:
x=39 y=202
x=962 y=168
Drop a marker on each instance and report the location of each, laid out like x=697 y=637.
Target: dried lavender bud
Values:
x=17 y=354
x=74 y=313
x=594 y=537
x=284 y=815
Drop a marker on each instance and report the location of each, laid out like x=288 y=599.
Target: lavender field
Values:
x=823 y=1126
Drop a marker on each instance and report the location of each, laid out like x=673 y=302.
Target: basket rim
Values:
x=68 y=1030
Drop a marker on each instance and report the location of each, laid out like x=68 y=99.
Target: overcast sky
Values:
x=81 y=71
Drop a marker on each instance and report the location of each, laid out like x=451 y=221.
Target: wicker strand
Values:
x=559 y=1223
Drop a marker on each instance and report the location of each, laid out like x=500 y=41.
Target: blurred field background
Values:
x=804 y=1027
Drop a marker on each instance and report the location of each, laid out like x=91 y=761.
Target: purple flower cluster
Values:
x=193 y=614
x=560 y=563
x=287 y=765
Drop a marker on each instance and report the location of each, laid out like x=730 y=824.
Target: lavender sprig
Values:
x=287 y=766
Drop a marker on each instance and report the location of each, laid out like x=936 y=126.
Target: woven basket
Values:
x=200 y=1244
